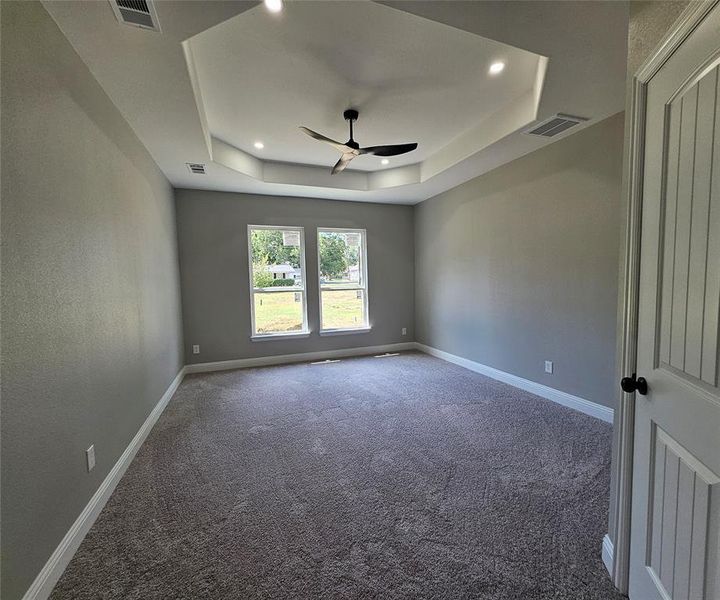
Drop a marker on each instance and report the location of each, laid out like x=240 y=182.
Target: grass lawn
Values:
x=280 y=312
x=341 y=309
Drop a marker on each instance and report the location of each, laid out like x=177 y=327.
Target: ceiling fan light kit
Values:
x=351 y=148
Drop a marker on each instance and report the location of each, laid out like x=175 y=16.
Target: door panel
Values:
x=675 y=536
x=678 y=521
x=690 y=294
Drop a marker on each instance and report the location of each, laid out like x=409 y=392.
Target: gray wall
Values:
x=91 y=334
x=520 y=265
x=212 y=241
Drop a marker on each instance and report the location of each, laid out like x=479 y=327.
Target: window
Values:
x=278 y=303
x=342 y=265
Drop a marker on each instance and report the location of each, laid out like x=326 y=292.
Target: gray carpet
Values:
x=403 y=477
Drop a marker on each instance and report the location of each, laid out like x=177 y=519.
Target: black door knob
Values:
x=634 y=384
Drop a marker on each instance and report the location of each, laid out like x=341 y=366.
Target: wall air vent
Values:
x=555 y=125
x=197 y=168
x=138 y=13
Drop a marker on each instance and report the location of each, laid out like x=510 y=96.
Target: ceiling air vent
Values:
x=555 y=125
x=197 y=168
x=138 y=13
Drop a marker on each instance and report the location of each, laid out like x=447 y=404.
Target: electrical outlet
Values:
x=404 y=330
x=196 y=348
x=549 y=366
x=90 y=457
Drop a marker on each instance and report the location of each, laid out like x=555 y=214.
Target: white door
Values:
x=675 y=535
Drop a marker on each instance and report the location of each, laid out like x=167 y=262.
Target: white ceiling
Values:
x=416 y=70
x=261 y=75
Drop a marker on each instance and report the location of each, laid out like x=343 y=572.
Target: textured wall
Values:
x=520 y=265
x=649 y=22
x=212 y=241
x=91 y=334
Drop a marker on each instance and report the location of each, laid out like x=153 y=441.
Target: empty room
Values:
x=359 y=299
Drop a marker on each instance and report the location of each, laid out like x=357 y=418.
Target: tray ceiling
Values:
x=224 y=75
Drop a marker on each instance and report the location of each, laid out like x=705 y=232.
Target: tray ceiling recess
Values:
x=258 y=76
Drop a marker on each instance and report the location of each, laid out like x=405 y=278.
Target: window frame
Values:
x=305 y=331
x=363 y=278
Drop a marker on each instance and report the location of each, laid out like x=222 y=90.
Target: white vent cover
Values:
x=138 y=13
x=197 y=168
x=555 y=125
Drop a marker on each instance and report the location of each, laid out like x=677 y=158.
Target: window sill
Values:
x=279 y=336
x=345 y=331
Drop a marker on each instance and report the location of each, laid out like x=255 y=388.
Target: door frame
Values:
x=624 y=424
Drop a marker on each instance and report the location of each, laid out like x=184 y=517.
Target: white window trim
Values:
x=325 y=332
x=364 y=278
x=305 y=331
x=263 y=337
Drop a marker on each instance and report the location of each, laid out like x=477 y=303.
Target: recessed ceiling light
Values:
x=384 y=161
x=259 y=145
x=273 y=5
x=496 y=68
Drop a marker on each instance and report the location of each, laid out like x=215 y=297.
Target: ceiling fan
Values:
x=351 y=148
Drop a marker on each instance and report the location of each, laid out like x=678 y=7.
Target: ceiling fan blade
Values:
x=392 y=150
x=343 y=162
x=320 y=137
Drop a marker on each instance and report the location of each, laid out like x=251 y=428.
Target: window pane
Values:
x=340 y=258
x=276 y=258
x=278 y=312
x=342 y=309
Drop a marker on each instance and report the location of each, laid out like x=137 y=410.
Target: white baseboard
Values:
x=263 y=361
x=585 y=406
x=607 y=554
x=54 y=567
